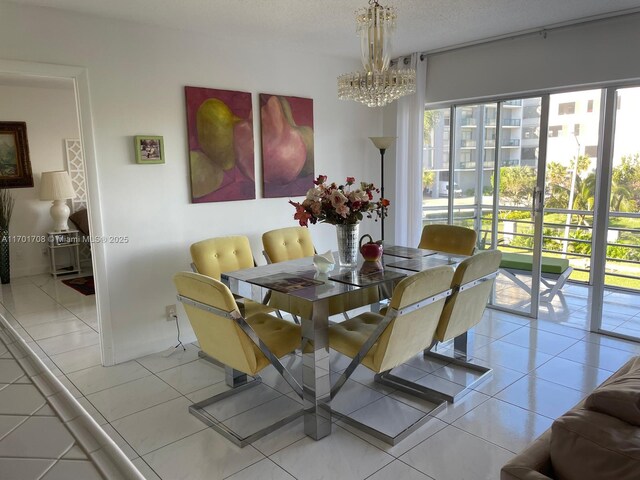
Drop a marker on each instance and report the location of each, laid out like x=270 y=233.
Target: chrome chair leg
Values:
x=234 y=378
x=409 y=425
x=241 y=433
x=461 y=359
x=201 y=411
x=460 y=347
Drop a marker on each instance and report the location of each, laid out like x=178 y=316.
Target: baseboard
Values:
x=151 y=348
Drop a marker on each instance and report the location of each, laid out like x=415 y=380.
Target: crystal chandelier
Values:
x=378 y=84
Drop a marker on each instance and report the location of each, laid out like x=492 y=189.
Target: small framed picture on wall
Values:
x=149 y=149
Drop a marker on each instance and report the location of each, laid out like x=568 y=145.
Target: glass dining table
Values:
x=297 y=288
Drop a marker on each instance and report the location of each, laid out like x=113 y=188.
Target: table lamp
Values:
x=382 y=143
x=57 y=186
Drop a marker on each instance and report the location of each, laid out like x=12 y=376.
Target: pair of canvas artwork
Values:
x=221 y=145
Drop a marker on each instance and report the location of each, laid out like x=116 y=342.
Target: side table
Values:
x=70 y=240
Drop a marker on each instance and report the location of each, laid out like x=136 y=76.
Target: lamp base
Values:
x=60 y=214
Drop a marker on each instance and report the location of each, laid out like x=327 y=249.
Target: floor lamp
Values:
x=382 y=143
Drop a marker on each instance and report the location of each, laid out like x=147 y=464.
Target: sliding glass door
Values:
x=552 y=176
x=514 y=209
x=617 y=309
x=573 y=143
x=482 y=171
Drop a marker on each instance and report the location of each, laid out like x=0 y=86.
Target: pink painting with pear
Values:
x=287 y=145
x=221 y=156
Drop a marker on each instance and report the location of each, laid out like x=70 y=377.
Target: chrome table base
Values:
x=316 y=378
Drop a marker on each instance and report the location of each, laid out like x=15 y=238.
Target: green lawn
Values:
x=629 y=238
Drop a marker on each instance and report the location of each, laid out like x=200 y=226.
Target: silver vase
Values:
x=348 y=244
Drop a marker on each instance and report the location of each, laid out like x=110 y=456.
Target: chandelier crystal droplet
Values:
x=378 y=84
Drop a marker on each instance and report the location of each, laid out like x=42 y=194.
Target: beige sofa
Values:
x=598 y=439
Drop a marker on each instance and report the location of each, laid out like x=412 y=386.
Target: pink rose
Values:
x=342 y=210
x=337 y=198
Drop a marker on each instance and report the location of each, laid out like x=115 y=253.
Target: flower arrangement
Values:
x=339 y=204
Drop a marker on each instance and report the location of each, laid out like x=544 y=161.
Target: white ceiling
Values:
x=327 y=26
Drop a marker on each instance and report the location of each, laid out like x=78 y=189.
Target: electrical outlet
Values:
x=171 y=313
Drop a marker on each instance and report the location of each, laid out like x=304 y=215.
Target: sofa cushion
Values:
x=619 y=398
x=588 y=445
x=632 y=366
x=81 y=220
x=533 y=463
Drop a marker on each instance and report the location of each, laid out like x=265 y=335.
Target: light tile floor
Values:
x=44 y=435
x=541 y=368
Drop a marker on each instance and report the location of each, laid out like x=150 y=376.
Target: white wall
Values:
x=582 y=54
x=137 y=76
x=50 y=114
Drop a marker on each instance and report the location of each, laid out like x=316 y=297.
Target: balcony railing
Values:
x=514 y=103
x=511 y=122
x=515 y=233
x=511 y=143
x=468 y=143
x=509 y=162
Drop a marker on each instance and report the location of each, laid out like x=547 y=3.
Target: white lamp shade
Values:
x=382 y=143
x=56 y=186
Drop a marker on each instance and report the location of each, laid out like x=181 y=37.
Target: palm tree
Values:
x=557 y=186
x=620 y=198
x=584 y=197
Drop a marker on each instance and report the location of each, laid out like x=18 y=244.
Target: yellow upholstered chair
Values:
x=287 y=244
x=382 y=343
x=215 y=256
x=245 y=345
x=471 y=286
x=292 y=243
x=448 y=238
x=466 y=306
x=284 y=244
x=363 y=340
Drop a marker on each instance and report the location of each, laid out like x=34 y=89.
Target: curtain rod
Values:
x=535 y=31
x=406 y=59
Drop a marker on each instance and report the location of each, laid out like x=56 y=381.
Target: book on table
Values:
x=285 y=282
